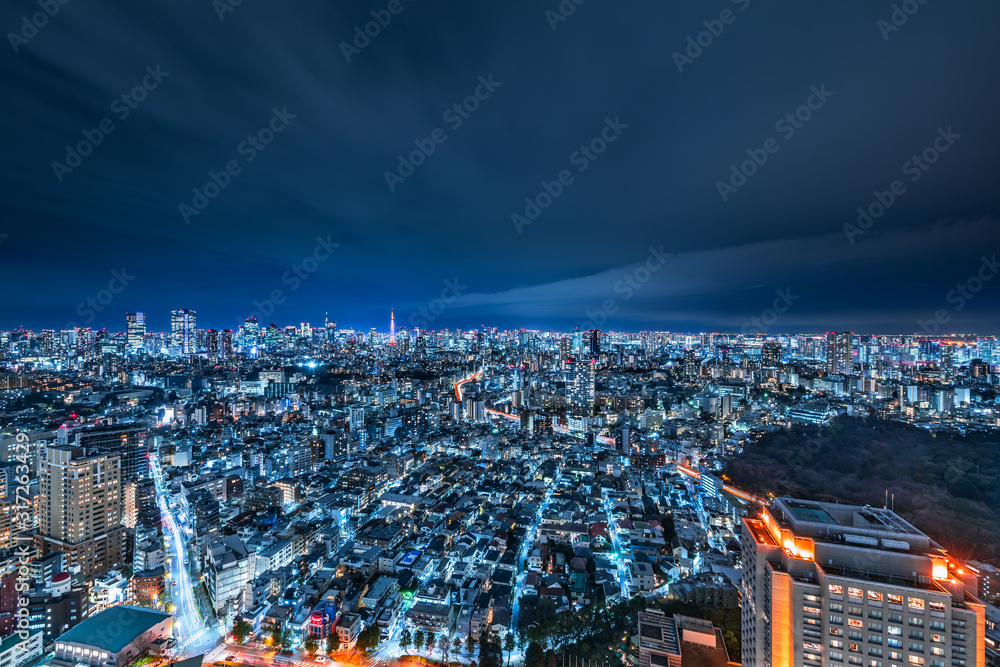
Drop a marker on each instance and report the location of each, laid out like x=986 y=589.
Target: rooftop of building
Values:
x=94 y=631
x=863 y=525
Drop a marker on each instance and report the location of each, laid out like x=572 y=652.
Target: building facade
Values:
x=830 y=584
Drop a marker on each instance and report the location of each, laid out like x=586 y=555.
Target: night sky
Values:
x=670 y=118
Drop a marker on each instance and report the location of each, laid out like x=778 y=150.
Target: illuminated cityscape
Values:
x=307 y=482
x=521 y=334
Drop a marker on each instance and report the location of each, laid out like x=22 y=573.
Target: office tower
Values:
x=331 y=331
x=249 y=334
x=226 y=344
x=183 y=324
x=830 y=584
x=580 y=385
x=212 y=343
x=770 y=354
x=48 y=340
x=691 y=366
x=948 y=362
x=135 y=330
x=594 y=338
x=839 y=352
x=305 y=331
x=81 y=509
x=565 y=349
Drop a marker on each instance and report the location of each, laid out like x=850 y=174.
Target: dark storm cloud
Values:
x=324 y=174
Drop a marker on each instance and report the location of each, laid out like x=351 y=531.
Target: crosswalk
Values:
x=191 y=639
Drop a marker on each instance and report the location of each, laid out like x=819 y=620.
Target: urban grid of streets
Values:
x=196 y=636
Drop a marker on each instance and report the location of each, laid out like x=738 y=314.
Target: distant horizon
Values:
x=675 y=332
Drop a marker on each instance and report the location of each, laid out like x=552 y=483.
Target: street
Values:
x=194 y=636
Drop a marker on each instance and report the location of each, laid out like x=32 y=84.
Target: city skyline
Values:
x=390 y=330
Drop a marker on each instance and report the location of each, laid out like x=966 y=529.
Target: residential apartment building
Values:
x=81 y=509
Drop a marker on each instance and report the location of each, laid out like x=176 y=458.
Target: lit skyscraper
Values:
x=183 y=324
x=691 y=366
x=135 y=330
x=212 y=342
x=770 y=354
x=840 y=352
x=580 y=385
x=948 y=362
x=594 y=339
x=392 y=328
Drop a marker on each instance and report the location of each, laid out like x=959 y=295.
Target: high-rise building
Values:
x=226 y=344
x=580 y=385
x=392 y=327
x=183 y=325
x=140 y=501
x=691 y=366
x=831 y=584
x=212 y=342
x=770 y=354
x=126 y=440
x=840 y=352
x=135 y=330
x=948 y=362
x=249 y=334
x=81 y=509
x=594 y=340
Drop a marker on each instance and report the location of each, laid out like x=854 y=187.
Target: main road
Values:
x=194 y=636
